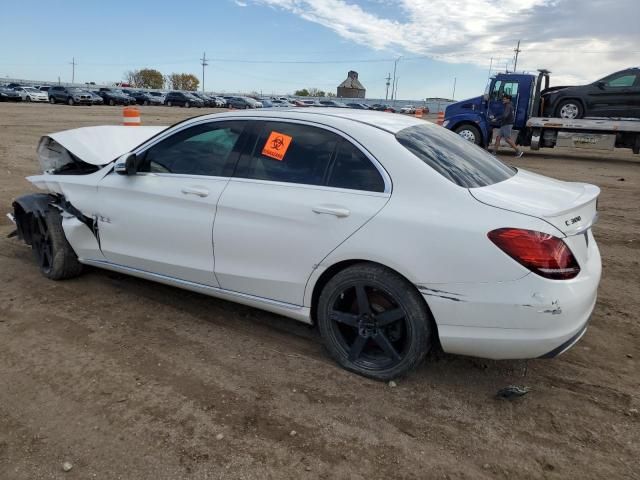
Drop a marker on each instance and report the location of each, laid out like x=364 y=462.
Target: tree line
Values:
x=150 y=78
x=313 y=92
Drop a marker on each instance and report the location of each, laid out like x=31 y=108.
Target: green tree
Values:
x=145 y=78
x=301 y=93
x=182 y=81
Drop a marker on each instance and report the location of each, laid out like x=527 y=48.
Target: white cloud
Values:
x=240 y=3
x=555 y=34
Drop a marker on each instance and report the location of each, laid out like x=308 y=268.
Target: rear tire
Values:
x=112 y=102
x=169 y=104
x=187 y=105
x=70 y=102
x=374 y=322
x=469 y=133
x=56 y=259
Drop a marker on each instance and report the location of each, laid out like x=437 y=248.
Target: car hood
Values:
x=98 y=145
x=569 y=206
x=464 y=106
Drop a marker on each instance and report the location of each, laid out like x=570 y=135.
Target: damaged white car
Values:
x=389 y=233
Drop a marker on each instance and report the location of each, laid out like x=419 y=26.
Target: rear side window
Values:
x=456 y=159
x=352 y=169
x=289 y=152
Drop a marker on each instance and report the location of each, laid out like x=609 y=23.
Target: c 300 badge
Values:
x=573 y=220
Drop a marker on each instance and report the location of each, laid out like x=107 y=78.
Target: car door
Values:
x=298 y=192
x=160 y=220
x=496 y=107
x=614 y=96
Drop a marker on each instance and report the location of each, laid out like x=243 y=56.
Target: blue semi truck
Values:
x=473 y=118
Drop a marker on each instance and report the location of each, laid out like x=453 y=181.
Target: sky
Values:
x=279 y=46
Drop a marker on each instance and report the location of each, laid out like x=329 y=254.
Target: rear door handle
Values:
x=199 y=191
x=330 y=210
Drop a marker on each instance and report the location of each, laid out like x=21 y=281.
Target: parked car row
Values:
x=187 y=99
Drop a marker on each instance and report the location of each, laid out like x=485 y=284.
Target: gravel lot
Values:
x=124 y=378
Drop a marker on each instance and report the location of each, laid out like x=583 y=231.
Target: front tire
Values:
x=169 y=104
x=70 y=102
x=187 y=105
x=52 y=100
x=569 y=109
x=374 y=322
x=55 y=257
x=469 y=133
x=112 y=102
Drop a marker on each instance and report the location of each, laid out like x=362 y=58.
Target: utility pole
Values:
x=388 y=79
x=453 y=95
x=395 y=90
x=203 y=62
x=490 y=66
x=395 y=65
x=517 y=50
x=73 y=70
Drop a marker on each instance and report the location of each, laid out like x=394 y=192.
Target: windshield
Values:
x=453 y=157
x=31 y=89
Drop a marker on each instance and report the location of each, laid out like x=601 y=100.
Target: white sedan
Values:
x=389 y=233
x=30 y=94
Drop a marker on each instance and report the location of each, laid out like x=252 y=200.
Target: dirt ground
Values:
x=128 y=379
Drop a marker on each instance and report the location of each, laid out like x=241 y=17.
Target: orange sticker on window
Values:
x=276 y=145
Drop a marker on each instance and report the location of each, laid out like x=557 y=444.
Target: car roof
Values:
x=389 y=122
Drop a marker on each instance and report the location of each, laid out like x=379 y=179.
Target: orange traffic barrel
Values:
x=440 y=118
x=131 y=117
x=419 y=113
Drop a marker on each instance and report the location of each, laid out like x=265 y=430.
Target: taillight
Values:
x=544 y=254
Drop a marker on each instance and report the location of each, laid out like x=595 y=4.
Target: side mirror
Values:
x=601 y=85
x=127 y=164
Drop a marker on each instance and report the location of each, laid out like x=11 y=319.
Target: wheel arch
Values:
x=25 y=208
x=338 y=267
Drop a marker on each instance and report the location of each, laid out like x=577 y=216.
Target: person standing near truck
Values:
x=505 y=126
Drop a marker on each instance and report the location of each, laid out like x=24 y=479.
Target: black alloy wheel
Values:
x=374 y=322
x=42 y=244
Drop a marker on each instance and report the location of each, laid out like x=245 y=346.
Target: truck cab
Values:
x=475 y=118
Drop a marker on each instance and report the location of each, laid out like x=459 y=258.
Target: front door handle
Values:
x=199 y=191
x=331 y=210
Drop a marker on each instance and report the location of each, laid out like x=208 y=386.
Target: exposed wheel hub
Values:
x=367 y=326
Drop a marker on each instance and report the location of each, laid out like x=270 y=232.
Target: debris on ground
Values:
x=393 y=384
x=512 y=391
x=66 y=466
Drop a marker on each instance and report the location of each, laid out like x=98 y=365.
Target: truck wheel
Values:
x=469 y=133
x=570 y=109
x=55 y=257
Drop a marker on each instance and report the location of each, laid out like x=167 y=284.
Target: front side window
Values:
x=626 y=80
x=510 y=88
x=289 y=152
x=453 y=157
x=200 y=150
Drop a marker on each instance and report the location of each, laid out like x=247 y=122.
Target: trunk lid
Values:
x=569 y=206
